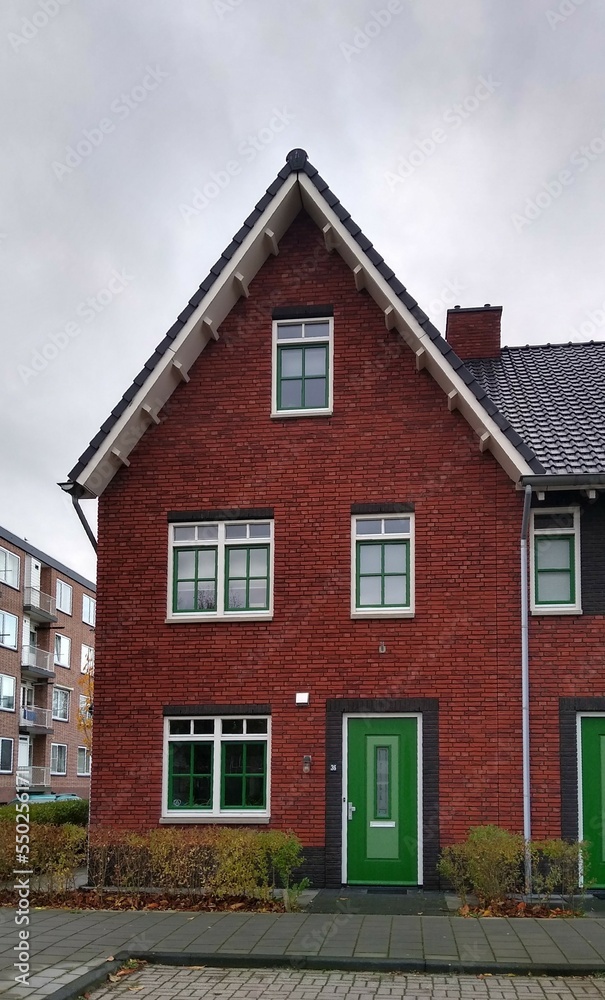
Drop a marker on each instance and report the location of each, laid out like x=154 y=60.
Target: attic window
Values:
x=302 y=367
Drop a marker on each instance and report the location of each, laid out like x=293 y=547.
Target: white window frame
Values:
x=7 y=739
x=89 y=607
x=3 y=679
x=221 y=543
x=6 y=557
x=556 y=609
x=65 y=597
x=66 y=700
x=3 y=630
x=87 y=659
x=329 y=340
x=57 y=746
x=215 y=814
x=84 y=773
x=64 y=642
x=406 y=611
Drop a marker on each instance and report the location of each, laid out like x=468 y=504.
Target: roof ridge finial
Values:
x=297 y=158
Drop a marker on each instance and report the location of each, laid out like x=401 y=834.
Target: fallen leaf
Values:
x=110 y=958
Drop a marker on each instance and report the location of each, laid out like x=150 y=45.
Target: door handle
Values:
x=351 y=808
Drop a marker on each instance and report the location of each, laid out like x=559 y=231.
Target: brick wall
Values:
x=391 y=438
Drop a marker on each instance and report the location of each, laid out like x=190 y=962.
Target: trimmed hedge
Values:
x=53 y=852
x=73 y=811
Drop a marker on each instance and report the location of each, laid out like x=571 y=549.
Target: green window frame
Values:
x=382 y=560
x=243 y=774
x=555 y=557
x=302 y=366
x=216 y=766
x=247 y=578
x=221 y=569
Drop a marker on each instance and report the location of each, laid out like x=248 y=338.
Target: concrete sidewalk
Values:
x=71 y=951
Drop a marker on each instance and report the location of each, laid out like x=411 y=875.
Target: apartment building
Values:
x=47 y=630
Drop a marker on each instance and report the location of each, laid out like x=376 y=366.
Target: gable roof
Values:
x=554 y=397
x=297 y=186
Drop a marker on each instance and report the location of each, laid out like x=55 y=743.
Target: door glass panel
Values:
x=382 y=782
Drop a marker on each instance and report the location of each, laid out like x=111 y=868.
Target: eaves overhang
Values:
x=564 y=482
x=297 y=186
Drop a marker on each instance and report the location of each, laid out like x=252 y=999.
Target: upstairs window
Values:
x=7 y=693
x=8 y=630
x=555 y=552
x=87 y=659
x=9 y=568
x=62 y=649
x=302 y=367
x=83 y=768
x=221 y=570
x=89 y=610
x=382 y=559
x=60 y=704
x=64 y=597
x=217 y=767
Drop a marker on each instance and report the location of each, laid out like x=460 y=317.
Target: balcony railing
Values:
x=33 y=656
x=39 y=605
x=32 y=777
x=40 y=717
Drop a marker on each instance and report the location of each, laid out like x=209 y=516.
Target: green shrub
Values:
x=73 y=811
x=223 y=861
x=489 y=863
x=53 y=852
x=556 y=866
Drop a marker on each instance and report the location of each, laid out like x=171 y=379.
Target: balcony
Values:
x=37 y=662
x=36 y=719
x=39 y=606
x=30 y=779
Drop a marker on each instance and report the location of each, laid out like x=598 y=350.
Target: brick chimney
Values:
x=475 y=332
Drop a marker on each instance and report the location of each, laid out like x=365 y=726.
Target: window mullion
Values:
x=221 y=574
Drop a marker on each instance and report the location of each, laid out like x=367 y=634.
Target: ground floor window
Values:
x=215 y=766
x=83 y=761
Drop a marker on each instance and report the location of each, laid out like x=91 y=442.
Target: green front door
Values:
x=382 y=801
x=593 y=797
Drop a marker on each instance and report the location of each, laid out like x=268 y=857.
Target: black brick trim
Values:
x=568 y=751
x=302 y=312
x=429 y=709
x=224 y=514
x=382 y=508
x=217 y=710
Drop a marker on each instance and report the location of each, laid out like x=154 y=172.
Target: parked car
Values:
x=50 y=797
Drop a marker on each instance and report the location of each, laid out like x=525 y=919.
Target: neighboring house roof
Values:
x=554 y=397
x=22 y=543
x=297 y=186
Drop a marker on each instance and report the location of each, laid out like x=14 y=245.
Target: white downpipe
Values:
x=525 y=688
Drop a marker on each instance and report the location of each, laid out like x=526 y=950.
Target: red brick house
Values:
x=309 y=588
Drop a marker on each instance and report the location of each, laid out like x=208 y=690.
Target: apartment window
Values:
x=302 y=366
x=7 y=693
x=58 y=758
x=8 y=630
x=64 y=597
x=83 y=761
x=221 y=570
x=382 y=582
x=555 y=550
x=217 y=767
x=6 y=756
x=61 y=704
x=84 y=707
x=87 y=659
x=89 y=610
x=9 y=568
x=62 y=649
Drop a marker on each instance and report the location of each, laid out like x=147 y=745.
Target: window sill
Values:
x=278 y=414
x=556 y=611
x=245 y=616
x=223 y=820
x=383 y=613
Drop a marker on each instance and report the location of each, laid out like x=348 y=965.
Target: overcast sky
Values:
x=467 y=139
